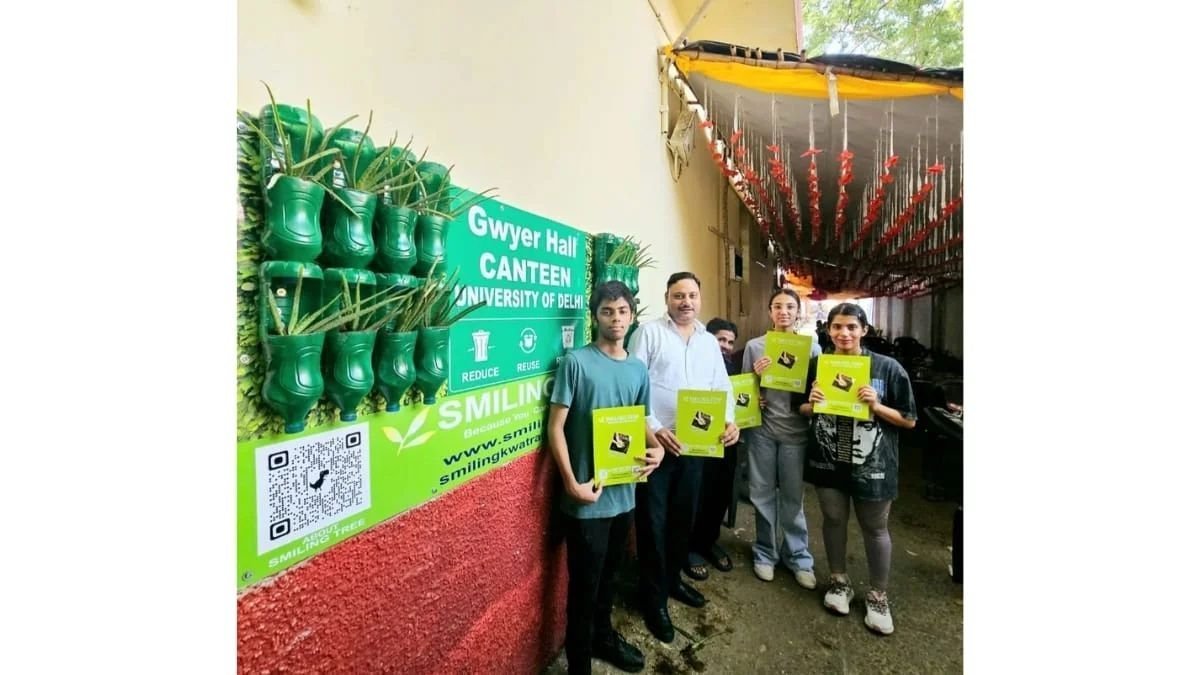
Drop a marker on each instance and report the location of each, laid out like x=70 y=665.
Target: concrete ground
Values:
x=750 y=626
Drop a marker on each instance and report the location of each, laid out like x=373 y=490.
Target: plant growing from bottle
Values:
x=292 y=178
x=432 y=200
x=436 y=313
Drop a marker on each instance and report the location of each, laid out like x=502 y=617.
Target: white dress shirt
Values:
x=677 y=363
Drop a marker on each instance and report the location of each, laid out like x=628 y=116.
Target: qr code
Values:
x=306 y=484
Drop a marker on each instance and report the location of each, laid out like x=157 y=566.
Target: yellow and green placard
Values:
x=618 y=442
x=789 y=354
x=839 y=378
x=746 y=410
x=700 y=422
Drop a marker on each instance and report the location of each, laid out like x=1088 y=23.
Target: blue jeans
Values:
x=778 y=465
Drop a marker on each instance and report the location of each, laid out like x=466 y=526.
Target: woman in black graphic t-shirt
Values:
x=859 y=460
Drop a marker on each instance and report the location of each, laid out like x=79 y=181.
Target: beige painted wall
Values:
x=766 y=24
x=555 y=103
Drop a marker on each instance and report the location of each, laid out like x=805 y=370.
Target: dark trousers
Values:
x=666 y=508
x=595 y=547
x=716 y=493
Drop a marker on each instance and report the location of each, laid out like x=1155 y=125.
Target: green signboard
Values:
x=530 y=272
x=300 y=494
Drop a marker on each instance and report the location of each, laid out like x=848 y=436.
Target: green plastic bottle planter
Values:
x=361 y=282
x=347 y=140
x=293 y=383
x=350 y=374
x=433 y=176
x=394 y=231
x=349 y=241
x=281 y=279
x=292 y=230
x=626 y=274
x=395 y=372
x=433 y=355
x=431 y=243
x=295 y=123
x=399 y=282
x=631 y=279
x=602 y=247
x=400 y=197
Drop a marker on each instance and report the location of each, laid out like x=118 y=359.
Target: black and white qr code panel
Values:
x=307 y=484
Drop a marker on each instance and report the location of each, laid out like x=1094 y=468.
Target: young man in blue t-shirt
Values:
x=600 y=375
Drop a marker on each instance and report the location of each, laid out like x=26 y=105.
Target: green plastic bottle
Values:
x=398 y=282
x=292 y=230
x=348 y=237
x=350 y=374
x=361 y=282
x=433 y=360
x=293 y=383
x=396 y=250
x=431 y=243
x=295 y=122
x=433 y=177
x=281 y=279
x=347 y=140
x=394 y=368
x=401 y=161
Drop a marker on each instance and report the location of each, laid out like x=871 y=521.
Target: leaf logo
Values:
x=410 y=439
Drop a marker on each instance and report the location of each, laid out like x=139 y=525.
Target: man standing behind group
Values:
x=680 y=354
x=716 y=491
x=600 y=375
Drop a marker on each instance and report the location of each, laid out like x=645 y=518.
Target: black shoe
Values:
x=620 y=653
x=688 y=595
x=659 y=623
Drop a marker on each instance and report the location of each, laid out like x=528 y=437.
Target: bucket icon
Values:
x=481 y=345
x=568 y=336
x=528 y=340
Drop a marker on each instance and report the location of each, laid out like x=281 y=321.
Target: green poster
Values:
x=789 y=354
x=299 y=494
x=618 y=441
x=700 y=422
x=530 y=272
x=746 y=410
x=840 y=378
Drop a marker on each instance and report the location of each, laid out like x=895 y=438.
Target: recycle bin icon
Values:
x=568 y=336
x=481 y=345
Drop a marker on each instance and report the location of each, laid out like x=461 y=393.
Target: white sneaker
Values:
x=879 y=616
x=838 y=596
x=806 y=579
x=764 y=571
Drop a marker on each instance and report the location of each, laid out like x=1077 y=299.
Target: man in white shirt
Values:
x=680 y=354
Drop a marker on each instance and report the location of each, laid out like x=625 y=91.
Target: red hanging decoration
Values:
x=814 y=193
x=947 y=211
x=909 y=211
x=875 y=207
x=845 y=177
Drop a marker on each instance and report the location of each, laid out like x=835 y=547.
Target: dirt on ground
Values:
x=751 y=626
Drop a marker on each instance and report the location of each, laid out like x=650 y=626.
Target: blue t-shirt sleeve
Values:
x=564 y=381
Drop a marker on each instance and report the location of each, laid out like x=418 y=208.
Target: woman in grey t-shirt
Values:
x=776 y=457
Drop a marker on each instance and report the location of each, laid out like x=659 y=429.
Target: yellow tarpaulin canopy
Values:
x=805 y=82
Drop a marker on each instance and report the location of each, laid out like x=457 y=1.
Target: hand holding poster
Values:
x=746 y=412
x=700 y=422
x=618 y=442
x=839 y=378
x=789 y=354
